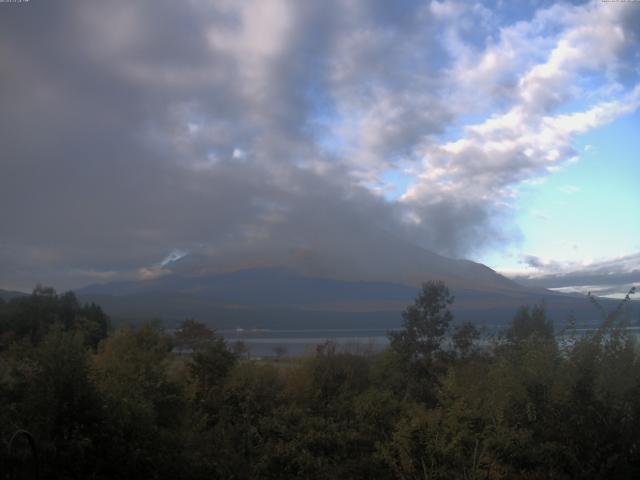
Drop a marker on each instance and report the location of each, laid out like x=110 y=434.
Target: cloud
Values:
x=485 y=165
x=619 y=291
x=248 y=132
x=534 y=261
x=174 y=256
x=613 y=276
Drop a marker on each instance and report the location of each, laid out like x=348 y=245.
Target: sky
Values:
x=142 y=138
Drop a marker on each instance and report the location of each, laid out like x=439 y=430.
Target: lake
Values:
x=265 y=343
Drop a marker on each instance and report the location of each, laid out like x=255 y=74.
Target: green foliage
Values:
x=52 y=396
x=425 y=324
x=418 y=345
x=530 y=322
x=192 y=335
x=33 y=316
x=144 y=409
x=210 y=366
x=433 y=405
x=464 y=340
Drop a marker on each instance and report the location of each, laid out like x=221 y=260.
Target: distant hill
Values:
x=333 y=282
x=282 y=298
x=9 y=294
x=266 y=287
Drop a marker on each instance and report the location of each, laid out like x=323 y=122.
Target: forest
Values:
x=441 y=402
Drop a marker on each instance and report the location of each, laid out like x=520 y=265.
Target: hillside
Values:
x=9 y=294
x=281 y=298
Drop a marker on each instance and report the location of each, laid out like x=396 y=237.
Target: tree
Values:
x=59 y=403
x=279 y=351
x=210 y=367
x=93 y=323
x=419 y=343
x=240 y=349
x=530 y=322
x=425 y=323
x=33 y=316
x=464 y=339
x=192 y=335
x=145 y=409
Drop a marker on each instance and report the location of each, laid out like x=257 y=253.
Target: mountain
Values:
x=374 y=255
x=314 y=279
x=9 y=294
x=267 y=287
x=279 y=298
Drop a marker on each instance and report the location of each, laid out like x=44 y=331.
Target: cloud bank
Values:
x=139 y=137
x=612 y=277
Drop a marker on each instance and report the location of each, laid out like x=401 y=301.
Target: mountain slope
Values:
x=376 y=255
x=266 y=287
x=9 y=294
x=281 y=298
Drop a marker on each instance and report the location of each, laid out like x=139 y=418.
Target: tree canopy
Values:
x=437 y=403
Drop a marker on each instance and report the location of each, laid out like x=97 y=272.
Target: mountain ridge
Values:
x=7 y=295
x=281 y=298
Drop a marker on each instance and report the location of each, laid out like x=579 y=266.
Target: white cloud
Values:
x=174 y=256
x=529 y=138
x=616 y=270
x=612 y=277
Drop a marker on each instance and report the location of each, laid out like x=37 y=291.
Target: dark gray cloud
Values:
x=123 y=129
x=533 y=261
x=240 y=132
